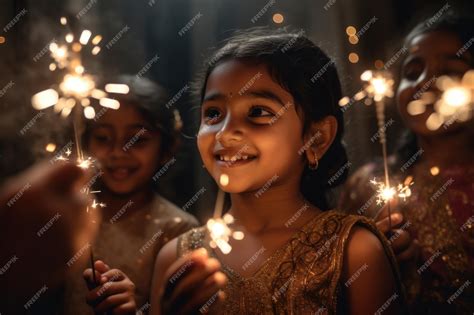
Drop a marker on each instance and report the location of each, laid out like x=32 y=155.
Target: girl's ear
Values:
x=319 y=137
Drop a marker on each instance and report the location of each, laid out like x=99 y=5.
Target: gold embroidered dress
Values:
x=301 y=277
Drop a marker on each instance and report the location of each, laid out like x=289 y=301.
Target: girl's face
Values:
x=127 y=149
x=247 y=116
x=430 y=56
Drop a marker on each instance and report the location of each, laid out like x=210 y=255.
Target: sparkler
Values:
x=378 y=86
x=218 y=226
x=456 y=102
x=77 y=87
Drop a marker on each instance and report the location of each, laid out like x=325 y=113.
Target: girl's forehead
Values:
x=434 y=42
x=236 y=78
x=126 y=115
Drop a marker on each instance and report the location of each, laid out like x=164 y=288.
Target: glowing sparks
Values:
x=434 y=170
x=220 y=233
x=96 y=204
x=224 y=180
x=85 y=36
x=219 y=227
x=117 y=88
x=95 y=50
x=89 y=112
x=69 y=38
x=76 y=87
x=44 y=99
x=96 y=40
x=109 y=103
x=50 y=147
x=454 y=101
x=387 y=193
x=85 y=163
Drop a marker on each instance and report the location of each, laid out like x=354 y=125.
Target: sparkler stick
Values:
x=76 y=90
x=379 y=85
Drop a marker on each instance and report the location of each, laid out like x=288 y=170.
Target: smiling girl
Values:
x=132 y=146
x=440 y=213
x=276 y=134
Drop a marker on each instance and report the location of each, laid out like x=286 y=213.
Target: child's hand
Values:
x=403 y=245
x=193 y=284
x=114 y=293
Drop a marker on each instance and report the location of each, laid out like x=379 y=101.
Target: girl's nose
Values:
x=118 y=150
x=231 y=132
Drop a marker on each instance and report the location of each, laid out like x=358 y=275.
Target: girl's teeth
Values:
x=233 y=158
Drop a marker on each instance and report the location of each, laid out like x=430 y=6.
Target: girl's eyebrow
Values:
x=267 y=94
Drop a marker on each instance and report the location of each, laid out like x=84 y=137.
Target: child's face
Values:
x=239 y=119
x=127 y=149
x=430 y=56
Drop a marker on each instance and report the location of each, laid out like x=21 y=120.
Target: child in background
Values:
x=440 y=212
x=274 y=128
x=132 y=145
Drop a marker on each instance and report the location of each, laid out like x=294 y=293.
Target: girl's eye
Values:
x=258 y=112
x=211 y=115
x=412 y=72
x=101 y=138
x=142 y=140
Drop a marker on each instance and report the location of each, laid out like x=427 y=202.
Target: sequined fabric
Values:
x=440 y=211
x=302 y=277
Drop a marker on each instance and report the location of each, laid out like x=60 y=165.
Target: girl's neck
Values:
x=131 y=202
x=273 y=208
x=447 y=150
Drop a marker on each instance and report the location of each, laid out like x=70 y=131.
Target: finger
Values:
x=113 y=275
x=101 y=267
x=410 y=253
x=400 y=241
x=205 y=297
x=111 y=302
x=385 y=225
x=195 y=279
x=182 y=267
x=384 y=210
x=127 y=308
x=107 y=289
x=87 y=274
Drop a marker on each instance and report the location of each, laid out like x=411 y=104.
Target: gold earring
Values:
x=314 y=165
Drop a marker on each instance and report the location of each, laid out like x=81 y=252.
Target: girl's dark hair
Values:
x=310 y=76
x=150 y=100
x=452 y=22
